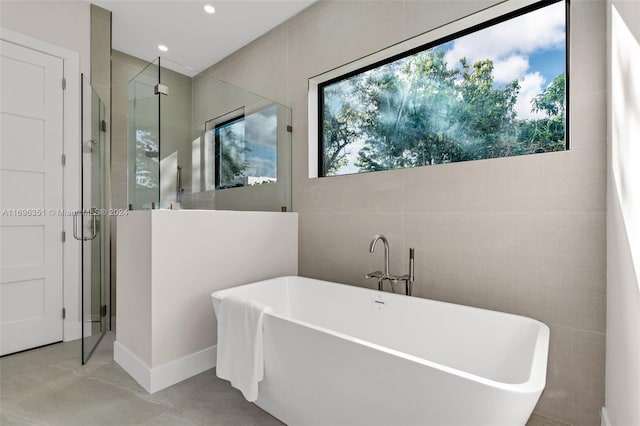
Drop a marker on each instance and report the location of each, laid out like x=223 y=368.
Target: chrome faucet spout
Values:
x=372 y=247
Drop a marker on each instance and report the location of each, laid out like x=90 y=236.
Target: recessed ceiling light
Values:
x=162 y=48
x=209 y=9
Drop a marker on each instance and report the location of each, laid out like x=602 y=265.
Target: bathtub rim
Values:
x=537 y=373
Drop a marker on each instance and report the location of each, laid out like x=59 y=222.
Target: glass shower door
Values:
x=92 y=223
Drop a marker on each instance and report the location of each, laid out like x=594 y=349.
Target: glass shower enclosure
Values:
x=195 y=142
x=91 y=223
x=143 y=128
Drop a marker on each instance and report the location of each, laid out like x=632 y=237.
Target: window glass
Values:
x=496 y=90
x=245 y=149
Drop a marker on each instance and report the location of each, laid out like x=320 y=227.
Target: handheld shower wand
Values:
x=411 y=271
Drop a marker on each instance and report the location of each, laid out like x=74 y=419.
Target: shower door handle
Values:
x=93 y=233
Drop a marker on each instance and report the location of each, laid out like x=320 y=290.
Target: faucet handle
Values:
x=376 y=274
x=396 y=278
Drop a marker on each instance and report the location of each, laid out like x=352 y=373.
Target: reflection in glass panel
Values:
x=144 y=138
x=173 y=161
x=230 y=153
x=245 y=149
x=146 y=159
x=261 y=142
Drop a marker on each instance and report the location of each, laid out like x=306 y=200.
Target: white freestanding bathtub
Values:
x=342 y=355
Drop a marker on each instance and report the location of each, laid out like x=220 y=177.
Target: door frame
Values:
x=71 y=250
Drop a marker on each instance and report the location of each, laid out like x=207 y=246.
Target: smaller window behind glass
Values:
x=242 y=149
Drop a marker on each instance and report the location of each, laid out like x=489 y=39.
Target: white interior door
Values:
x=31 y=197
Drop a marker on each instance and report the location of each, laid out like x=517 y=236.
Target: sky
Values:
x=529 y=48
x=261 y=138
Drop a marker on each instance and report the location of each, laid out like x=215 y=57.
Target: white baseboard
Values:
x=604 y=417
x=176 y=371
x=133 y=365
x=163 y=376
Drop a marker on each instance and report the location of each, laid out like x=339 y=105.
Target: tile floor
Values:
x=48 y=386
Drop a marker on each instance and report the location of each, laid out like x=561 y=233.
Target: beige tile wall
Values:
x=522 y=234
x=64 y=23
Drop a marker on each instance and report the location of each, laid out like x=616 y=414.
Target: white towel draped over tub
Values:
x=240 y=346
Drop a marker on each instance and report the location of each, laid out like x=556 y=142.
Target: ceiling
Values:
x=194 y=38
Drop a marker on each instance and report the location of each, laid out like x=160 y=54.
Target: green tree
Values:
x=546 y=134
x=408 y=111
x=340 y=128
x=230 y=151
x=419 y=111
x=485 y=113
x=551 y=100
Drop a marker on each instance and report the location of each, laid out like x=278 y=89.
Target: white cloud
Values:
x=509 y=45
x=261 y=167
x=530 y=86
x=509 y=69
x=261 y=127
x=524 y=35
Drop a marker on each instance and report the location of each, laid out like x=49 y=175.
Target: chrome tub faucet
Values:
x=387 y=275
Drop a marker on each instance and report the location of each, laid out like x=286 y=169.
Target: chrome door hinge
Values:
x=64 y=236
x=64 y=160
x=64 y=84
x=64 y=313
x=161 y=89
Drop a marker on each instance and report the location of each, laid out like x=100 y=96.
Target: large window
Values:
x=497 y=89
